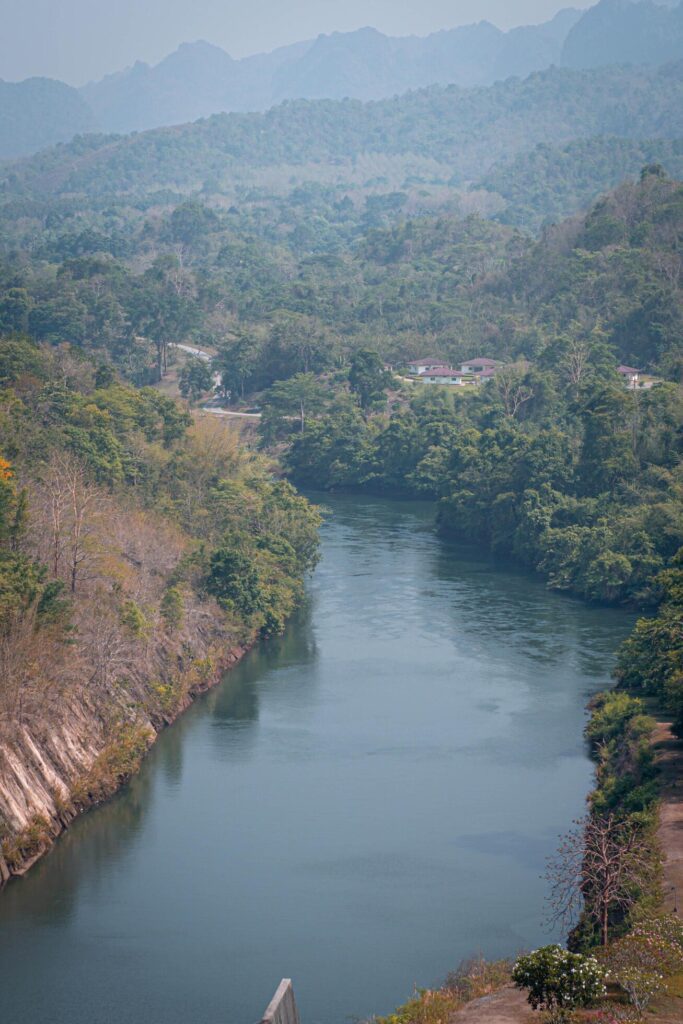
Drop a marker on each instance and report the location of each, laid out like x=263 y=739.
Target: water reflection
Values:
x=85 y=852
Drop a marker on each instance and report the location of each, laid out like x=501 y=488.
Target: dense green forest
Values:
x=430 y=150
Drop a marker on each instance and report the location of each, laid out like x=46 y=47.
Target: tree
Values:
x=512 y=388
x=368 y=379
x=297 y=397
x=71 y=518
x=556 y=978
x=234 y=580
x=195 y=378
x=641 y=961
x=163 y=307
x=603 y=865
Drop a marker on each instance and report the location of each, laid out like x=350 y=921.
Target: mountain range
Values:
x=200 y=79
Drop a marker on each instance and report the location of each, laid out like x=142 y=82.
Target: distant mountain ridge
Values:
x=40 y=112
x=625 y=32
x=199 y=79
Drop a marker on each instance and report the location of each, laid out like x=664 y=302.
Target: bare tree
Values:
x=70 y=520
x=576 y=362
x=600 y=866
x=513 y=391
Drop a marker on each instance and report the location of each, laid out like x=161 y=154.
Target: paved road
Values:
x=215 y=410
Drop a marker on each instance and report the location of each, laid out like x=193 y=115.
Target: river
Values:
x=358 y=806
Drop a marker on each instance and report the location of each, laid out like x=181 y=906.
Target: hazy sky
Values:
x=77 y=40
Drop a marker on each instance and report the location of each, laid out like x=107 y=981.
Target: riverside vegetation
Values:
x=305 y=298
x=139 y=554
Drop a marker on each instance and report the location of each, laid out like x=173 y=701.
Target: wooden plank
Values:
x=282 y=1008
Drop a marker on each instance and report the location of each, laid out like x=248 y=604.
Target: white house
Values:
x=630 y=376
x=422 y=366
x=444 y=375
x=479 y=365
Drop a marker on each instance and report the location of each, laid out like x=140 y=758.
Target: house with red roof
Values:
x=426 y=364
x=479 y=366
x=445 y=375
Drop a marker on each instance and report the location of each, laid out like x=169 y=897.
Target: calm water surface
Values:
x=358 y=806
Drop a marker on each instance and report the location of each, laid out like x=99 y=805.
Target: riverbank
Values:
x=86 y=751
x=669 y=759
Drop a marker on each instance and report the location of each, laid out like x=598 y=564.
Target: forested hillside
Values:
x=548 y=183
x=624 y=32
x=248 y=284
x=40 y=112
x=464 y=131
x=139 y=555
x=200 y=79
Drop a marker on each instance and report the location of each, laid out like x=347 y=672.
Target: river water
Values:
x=358 y=806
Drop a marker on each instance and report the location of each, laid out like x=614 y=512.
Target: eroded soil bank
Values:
x=87 y=743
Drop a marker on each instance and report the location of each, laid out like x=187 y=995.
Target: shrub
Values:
x=557 y=978
x=642 y=960
x=234 y=582
x=172 y=608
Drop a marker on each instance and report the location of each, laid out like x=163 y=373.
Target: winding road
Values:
x=213 y=407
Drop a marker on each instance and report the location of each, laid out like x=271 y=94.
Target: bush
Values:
x=234 y=582
x=642 y=960
x=172 y=608
x=559 y=979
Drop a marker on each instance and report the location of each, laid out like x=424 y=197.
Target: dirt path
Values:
x=669 y=754
x=509 y=1006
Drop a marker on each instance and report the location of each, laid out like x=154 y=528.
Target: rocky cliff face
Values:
x=87 y=743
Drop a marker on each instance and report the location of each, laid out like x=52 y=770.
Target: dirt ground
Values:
x=509 y=1006
x=669 y=753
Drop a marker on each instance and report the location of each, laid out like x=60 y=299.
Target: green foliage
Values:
x=172 y=608
x=234 y=580
x=133 y=619
x=557 y=978
x=368 y=379
x=651 y=660
x=290 y=401
x=195 y=378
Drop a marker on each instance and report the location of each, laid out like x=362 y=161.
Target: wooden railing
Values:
x=282 y=1008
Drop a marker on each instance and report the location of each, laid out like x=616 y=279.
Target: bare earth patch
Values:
x=508 y=1006
x=669 y=753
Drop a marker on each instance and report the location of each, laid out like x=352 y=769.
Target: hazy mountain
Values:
x=197 y=80
x=40 y=112
x=200 y=79
x=625 y=32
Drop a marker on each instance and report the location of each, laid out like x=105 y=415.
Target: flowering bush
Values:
x=641 y=961
x=557 y=978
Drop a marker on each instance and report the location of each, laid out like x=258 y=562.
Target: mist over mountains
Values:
x=200 y=79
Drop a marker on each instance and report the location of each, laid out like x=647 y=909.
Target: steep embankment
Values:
x=140 y=556
x=85 y=745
